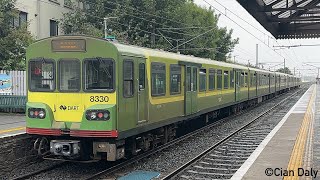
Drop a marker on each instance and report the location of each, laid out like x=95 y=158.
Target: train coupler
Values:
x=65 y=148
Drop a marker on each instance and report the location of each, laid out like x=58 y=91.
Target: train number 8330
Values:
x=99 y=99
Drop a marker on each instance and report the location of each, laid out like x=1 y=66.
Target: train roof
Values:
x=142 y=51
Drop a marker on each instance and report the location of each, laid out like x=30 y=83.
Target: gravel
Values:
x=181 y=153
x=163 y=162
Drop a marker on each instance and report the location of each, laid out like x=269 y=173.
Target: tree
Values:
x=13 y=40
x=173 y=25
x=285 y=70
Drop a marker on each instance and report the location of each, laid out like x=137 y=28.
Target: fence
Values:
x=13 y=91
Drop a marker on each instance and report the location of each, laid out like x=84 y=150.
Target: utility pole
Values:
x=284 y=65
x=234 y=58
x=257 y=55
x=177 y=45
x=106 y=25
x=153 y=37
x=294 y=71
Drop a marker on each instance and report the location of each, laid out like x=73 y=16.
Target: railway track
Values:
x=114 y=167
x=238 y=162
x=224 y=158
x=43 y=170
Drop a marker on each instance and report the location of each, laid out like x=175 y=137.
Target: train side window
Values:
x=175 y=79
x=195 y=79
x=128 y=78
x=158 y=79
x=219 y=79
x=242 y=79
x=142 y=75
x=226 y=79
x=231 y=79
x=246 y=80
x=202 y=79
x=212 y=74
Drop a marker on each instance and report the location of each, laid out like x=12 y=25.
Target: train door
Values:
x=237 y=85
x=191 y=94
x=142 y=93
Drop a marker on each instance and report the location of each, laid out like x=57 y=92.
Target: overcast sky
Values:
x=246 y=49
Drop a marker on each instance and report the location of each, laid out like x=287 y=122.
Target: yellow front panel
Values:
x=69 y=107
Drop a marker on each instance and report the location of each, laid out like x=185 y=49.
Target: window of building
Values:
x=41 y=75
x=128 y=78
x=212 y=76
x=226 y=79
x=231 y=79
x=69 y=75
x=20 y=20
x=142 y=76
x=202 y=79
x=99 y=74
x=175 y=79
x=219 y=79
x=53 y=28
x=68 y=3
x=158 y=79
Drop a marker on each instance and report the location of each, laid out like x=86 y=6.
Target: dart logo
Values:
x=62 y=107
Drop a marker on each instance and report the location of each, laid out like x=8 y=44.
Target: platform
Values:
x=290 y=151
x=12 y=124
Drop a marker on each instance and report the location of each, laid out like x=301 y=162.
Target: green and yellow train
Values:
x=93 y=99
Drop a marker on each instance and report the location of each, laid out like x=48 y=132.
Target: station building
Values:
x=43 y=16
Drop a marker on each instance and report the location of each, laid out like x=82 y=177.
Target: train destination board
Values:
x=68 y=45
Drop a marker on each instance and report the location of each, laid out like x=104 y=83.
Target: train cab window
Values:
x=212 y=74
x=69 y=75
x=202 y=79
x=219 y=79
x=158 y=79
x=128 y=78
x=142 y=76
x=175 y=79
x=226 y=79
x=98 y=74
x=41 y=75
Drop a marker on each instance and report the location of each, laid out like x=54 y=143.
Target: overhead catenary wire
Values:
x=245 y=29
x=188 y=42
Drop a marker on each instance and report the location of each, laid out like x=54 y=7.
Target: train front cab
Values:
x=72 y=97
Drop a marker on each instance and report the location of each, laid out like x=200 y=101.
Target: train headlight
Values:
x=39 y=113
x=93 y=115
x=42 y=114
x=99 y=115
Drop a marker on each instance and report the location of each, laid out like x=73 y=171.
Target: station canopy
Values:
x=286 y=19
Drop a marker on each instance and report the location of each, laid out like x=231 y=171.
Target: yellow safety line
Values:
x=12 y=129
x=296 y=158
